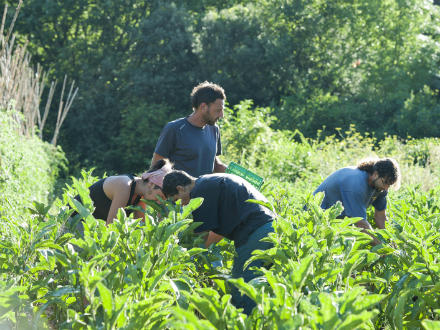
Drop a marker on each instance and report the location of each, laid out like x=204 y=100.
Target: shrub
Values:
x=28 y=167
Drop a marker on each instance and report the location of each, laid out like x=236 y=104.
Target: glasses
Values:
x=383 y=184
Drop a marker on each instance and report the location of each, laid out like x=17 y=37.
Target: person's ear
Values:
x=203 y=106
x=180 y=189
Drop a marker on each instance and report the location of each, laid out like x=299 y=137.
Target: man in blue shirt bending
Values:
x=226 y=212
x=359 y=187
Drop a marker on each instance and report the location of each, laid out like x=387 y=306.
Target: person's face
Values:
x=379 y=183
x=153 y=192
x=183 y=193
x=213 y=111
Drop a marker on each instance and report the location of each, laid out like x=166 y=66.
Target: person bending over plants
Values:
x=359 y=187
x=111 y=193
x=226 y=212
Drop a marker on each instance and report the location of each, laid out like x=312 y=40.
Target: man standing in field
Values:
x=226 y=211
x=359 y=187
x=193 y=143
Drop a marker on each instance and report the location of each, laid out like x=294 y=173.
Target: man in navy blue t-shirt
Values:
x=359 y=187
x=226 y=211
x=193 y=143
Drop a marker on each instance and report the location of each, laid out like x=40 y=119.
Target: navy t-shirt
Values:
x=350 y=186
x=192 y=149
x=224 y=209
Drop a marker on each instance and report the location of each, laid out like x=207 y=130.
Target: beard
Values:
x=211 y=122
x=207 y=118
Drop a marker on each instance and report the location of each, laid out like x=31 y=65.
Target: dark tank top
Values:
x=102 y=203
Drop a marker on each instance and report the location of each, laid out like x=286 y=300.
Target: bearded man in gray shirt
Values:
x=193 y=143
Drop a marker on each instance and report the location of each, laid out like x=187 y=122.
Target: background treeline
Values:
x=315 y=63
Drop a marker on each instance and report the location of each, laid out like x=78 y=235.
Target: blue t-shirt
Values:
x=350 y=186
x=224 y=209
x=192 y=149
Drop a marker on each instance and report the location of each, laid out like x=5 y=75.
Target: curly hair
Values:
x=206 y=92
x=173 y=179
x=386 y=168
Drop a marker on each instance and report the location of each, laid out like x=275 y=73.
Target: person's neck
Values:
x=196 y=120
x=370 y=181
x=141 y=187
x=190 y=187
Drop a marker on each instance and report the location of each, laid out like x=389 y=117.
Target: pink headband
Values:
x=155 y=177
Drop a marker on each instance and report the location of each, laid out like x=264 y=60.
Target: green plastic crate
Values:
x=252 y=178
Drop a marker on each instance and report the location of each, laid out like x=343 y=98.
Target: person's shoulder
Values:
x=234 y=182
x=352 y=176
x=342 y=174
x=121 y=178
x=350 y=170
x=211 y=179
x=118 y=183
x=219 y=176
x=177 y=123
x=205 y=183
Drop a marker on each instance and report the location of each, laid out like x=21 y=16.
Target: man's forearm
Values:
x=219 y=167
x=364 y=224
x=212 y=238
x=380 y=218
x=366 y=228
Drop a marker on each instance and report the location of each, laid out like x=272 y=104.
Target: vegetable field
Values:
x=324 y=274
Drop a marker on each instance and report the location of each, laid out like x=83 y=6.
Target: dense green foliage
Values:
x=294 y=162
x=312 y=86
x=28 y=168
x=325 y=275
x=373 y=64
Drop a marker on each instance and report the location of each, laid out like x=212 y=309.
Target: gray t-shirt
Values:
x=192 y=149
x=350 y=186
x=225 y=209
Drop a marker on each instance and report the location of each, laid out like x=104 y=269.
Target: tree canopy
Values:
x=315 y=63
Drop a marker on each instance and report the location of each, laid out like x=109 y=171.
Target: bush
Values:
x=302 y=163
x=140 y=129
x=420 y=115
x=28 y=167
x=249 y=140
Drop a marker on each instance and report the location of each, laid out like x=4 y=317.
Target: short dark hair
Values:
x=386 y=168
x=173 y=179
x=206 y=92
x=159 y=164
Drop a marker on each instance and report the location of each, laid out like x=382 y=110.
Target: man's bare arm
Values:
x=119 y=200
x=156 y=157
x=380 y=218
x=366 y=228
x=219 y=167
x=212 y=238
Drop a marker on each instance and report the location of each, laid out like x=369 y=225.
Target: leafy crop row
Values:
x=130 y=275
x=324 y=273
